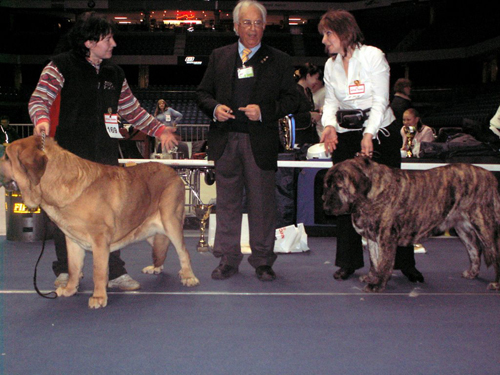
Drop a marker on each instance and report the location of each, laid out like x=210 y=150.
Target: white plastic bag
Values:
x=291 y=239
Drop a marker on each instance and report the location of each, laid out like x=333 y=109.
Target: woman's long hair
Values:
x=158 y=110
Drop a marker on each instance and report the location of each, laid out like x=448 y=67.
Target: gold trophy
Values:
x=203 y=213
x=285 y=130
x=410 y=132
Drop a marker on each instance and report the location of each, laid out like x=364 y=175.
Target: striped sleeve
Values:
x=130 y=109
x=49 y=85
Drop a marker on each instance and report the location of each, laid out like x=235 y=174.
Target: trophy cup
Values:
x=203 y=213
x=410 y=132
x=285 y=130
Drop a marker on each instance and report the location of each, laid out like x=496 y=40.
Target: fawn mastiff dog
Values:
x=99 y=208
x=392 y=207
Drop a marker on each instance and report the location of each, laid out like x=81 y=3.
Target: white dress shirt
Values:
x=495 y=123
x=366 y=86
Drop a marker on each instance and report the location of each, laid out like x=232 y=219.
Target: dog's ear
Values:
x=28 y=163
x=362 y=178
x=33 y=160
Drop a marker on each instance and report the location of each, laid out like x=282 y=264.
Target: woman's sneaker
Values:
x=62 y=279
x=124 y=282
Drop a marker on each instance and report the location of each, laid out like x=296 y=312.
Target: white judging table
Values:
x=196 y=163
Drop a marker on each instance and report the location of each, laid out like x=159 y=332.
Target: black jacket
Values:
x=273 y=90
x=85 y=97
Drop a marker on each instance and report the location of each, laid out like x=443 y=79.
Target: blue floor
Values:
x=305 y=322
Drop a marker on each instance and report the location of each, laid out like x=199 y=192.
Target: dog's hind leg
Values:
x=174 y=229
x=496 y=264
x=160 y=244
x=76 y=255
x=467 y=233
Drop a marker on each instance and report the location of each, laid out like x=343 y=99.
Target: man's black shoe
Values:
x=265 y=273
x=343 y=273
x=224 y=271
x=413 y=275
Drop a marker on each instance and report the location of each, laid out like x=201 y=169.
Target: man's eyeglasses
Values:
x=247 y=23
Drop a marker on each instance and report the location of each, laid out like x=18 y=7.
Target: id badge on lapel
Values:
x=245 y=72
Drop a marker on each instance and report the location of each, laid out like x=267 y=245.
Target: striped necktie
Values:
x=244 y=55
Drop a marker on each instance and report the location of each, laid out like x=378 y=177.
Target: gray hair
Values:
x=243 y=4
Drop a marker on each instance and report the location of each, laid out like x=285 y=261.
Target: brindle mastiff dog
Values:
x=392 y=207
x=100 y=208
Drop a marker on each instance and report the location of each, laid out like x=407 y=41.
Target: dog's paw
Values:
x=493 y=286
x=64 y=291
x=152 y=270
x=188 y=280
x=374 y=288
x=468 y=274
x=97 y=302
x=369 y=279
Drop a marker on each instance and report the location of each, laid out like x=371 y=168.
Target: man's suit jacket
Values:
x=274 y=91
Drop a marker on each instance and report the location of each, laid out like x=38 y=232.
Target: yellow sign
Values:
x=20 y=208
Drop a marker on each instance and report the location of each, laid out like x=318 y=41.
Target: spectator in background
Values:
x=167 y=115
x=319 y=101
x=401 y=101
x=7 y=133
x=424 y=133
x=308 y=77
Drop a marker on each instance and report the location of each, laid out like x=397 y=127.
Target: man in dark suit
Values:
x=246 y=88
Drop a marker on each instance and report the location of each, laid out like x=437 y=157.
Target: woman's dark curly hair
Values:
x=89 y=26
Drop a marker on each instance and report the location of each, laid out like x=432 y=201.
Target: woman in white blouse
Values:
x=357 y=79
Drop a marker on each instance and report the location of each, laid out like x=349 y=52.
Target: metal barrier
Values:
x=24 y=130
x=193 y=133
x=188 y=133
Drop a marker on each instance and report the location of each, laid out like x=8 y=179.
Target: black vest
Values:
x=85 y=97
x=242 y=90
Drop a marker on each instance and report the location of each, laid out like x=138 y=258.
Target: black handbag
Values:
x=352 y=118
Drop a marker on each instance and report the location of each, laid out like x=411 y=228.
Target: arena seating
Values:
x=145 y=43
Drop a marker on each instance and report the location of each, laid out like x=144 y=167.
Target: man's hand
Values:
x=169 y=139
x=252 y=111
x=223 y=113
x=329 y=137
x=41 y=127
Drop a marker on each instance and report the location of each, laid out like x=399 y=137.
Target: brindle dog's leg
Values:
x=382 y=263
x=473 y=245
x=373 y=251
